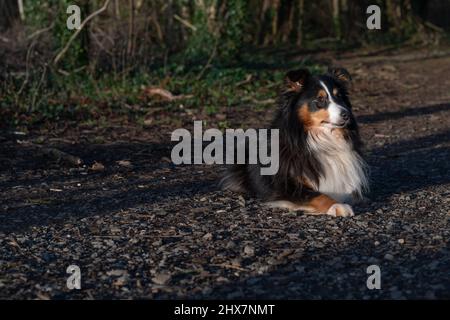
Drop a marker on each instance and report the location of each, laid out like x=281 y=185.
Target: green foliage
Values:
x=82 y=98
x=232 y=33
x=37 y=13
x=223 y=36
x=209 y=64
x=42 y=14
x=202 y=41
x=78 y=49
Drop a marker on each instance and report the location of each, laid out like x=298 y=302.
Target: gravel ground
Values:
x=140 y=227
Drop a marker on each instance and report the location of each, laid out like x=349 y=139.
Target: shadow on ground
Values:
x=398 y=167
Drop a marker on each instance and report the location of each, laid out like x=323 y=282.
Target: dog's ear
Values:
x=342 y=75
x=296 y=80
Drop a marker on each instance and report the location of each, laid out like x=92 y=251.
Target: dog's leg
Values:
x=323 y=204
x=317 y=204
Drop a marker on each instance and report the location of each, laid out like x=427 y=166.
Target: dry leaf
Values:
x=97 y=166
x=125 y=163
x=165 y=94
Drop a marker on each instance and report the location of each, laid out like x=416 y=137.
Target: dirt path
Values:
x=148 y=229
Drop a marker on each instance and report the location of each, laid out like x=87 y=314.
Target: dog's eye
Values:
x=321 y=101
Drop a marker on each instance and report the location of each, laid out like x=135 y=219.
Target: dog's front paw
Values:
x=340 y=210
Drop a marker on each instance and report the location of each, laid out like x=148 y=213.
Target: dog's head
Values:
x=320 y=101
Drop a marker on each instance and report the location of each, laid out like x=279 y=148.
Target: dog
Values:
x=321 y=168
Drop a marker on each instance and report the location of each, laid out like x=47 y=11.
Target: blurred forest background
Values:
x=135 y=52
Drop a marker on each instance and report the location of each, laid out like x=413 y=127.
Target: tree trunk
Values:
x=393 y=16
x=117 y=9
x=274 y=9
x=287 y=26
x=336 y=19
x=130 y=46
x=260 y=35
x=301 y=9
x=21 y=11
x=84 y=35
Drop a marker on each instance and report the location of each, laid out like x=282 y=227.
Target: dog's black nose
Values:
x=344 y=115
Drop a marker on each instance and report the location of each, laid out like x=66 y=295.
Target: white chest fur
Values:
x=343 y=170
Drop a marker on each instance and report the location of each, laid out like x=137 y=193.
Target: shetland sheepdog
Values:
x=321 y=169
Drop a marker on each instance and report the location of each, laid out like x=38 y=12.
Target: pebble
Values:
x=97 y=166
x=208 y=236
x=160 y=212
x=373 y=260
x=117 y=273
x=389 y=257
x=161 y=278
x=222 y=279
x=230 y=245
x=249 y=250
x=241 y=201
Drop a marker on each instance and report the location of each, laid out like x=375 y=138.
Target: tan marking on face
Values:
x=312 y=119
x=335 y=91
x=322 y=93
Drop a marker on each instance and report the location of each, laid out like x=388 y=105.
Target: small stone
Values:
x=222 y=279
x=121 y=281
x=160 y=212
x=157 y=243
x=373 y=260
x=230 y=245
x=401 y=241
x=249 y=250
x=389 y=256
x=241 y=201
x=97 y=166
x=236 y=262
x=161 y=278
x=125 y=163
x=208 y=236
x=117 y=273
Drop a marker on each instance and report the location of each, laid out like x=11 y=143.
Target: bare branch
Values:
x=21 y=11
x=185 y=22
x=40 y=31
